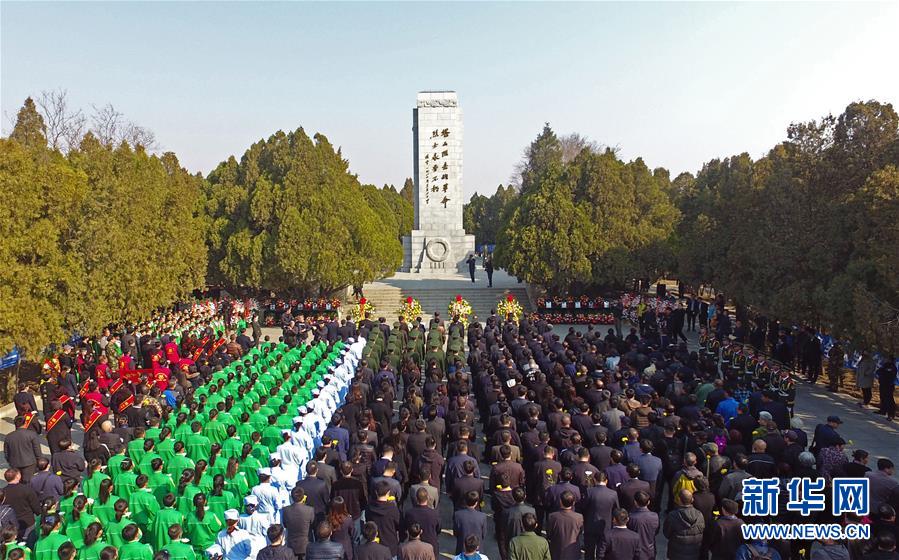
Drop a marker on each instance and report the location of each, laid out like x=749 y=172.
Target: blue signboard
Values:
x=10 y=359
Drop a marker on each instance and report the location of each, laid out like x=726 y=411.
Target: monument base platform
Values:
x=436 y=252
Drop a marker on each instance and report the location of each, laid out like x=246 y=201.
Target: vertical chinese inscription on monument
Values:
x=435 y=181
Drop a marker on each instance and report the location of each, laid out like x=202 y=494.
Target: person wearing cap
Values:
x=269 y=499
x=282 y=478
x=293 y=456
x=826 y=434
x=254 y=522
x=236 y=543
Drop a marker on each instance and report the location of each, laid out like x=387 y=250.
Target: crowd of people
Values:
x=793 y=347
x=341 y=441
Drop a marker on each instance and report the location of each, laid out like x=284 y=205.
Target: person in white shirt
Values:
x=254 y=523
x=270 y=499
x=236 y=543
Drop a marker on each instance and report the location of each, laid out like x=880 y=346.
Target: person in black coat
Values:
x=469 y=521
x=22 y=449
x=324 y=548
x=370 y=549
x=297 y=519
x=620 y=543
x=70 y=464
x=277 y=550
x=316 y=489
x=59 y=427
x=426 y=517
x=386 y=515
x=21 y=498
x=351 y=489
x=599 y=503
x=646 y=524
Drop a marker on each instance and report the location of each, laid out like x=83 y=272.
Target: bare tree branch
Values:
x=106 y=124
x=65 y=127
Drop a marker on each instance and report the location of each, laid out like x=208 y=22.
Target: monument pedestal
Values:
x=436 y=252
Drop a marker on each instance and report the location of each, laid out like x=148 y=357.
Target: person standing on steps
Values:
x=471 y=263
x=488 y=268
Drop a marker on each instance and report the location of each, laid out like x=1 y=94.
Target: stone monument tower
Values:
x=438 y=244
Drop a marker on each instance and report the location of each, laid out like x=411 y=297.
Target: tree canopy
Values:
x=806 y=232
x=483 y=215
x=101 y=235
x=605 y=221
x=290 y=217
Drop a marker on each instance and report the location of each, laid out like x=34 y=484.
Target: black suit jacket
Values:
x=23 y=500
x=22 y=448
x=317 y=494
x=297 y=520
x=429 y=519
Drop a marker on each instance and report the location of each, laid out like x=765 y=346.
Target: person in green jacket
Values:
x=67 y=551
x=219 y=498
x=142 y=504
x=185 y=492
x=118 y=523
x=114 y=464
x=159 y=481
x=90 y=486
x=125 y=482
x=9 y=543
x=197 y=444
x=93 y=542
x=529 y=545
x=214 y=429
x=179 y=461
x=133 y=549
x=202 y=526
x=136 y=446
x=179 y=548
x=104 y=506
x=166 y=444
x=165 y=518
x=236 y=482
x=50 y=538
x=148 y=456
x=76 y=521
x=69 y=493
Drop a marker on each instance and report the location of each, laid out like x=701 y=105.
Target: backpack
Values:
x=684 y=482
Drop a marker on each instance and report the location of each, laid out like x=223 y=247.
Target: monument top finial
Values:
x=437 y=98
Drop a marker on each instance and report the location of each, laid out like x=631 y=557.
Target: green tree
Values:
x=141 y=236
x=483 y=216
x=547 y=237
x=29 y=129
x=42 y=279
x=290 y=217
x=408 y=191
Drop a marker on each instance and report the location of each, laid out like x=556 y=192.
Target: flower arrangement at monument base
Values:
x=578 y=318
x=461 y=309
x=509 y=306
x=410 y=309
x=362 y=308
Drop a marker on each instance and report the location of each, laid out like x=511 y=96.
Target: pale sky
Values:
x=674 y=83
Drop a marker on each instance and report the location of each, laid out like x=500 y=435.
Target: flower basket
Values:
x=410 y=309
x=510 y=306
x=362 y=308
x=460 y=308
